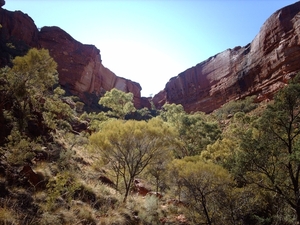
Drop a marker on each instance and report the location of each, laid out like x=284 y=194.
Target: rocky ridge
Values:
x=80 y=68
x=260 y=68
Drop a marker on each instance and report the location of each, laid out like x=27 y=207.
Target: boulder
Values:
x=140 y=187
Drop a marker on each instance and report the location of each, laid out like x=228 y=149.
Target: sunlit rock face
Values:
x=260 y=68
x=80 y=69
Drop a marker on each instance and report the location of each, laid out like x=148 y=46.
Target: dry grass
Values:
x=8 y=216
x=93 y=202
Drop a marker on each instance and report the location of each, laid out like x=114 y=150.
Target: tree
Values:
x=196 y=131
x=30 y=105
x=219 y=152
x=131 y=146
x=172 y=113
x=269 y=153
x=203 y=187
x=157 y=170
x=27 y=83
x=119 y=102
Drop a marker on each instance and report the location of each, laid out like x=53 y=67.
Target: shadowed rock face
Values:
x=260 y=68
x=79 y=66
x=17 y=34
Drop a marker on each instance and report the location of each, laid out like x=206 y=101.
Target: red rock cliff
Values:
x=17 y=33
x=259 y=68
x=80 y=69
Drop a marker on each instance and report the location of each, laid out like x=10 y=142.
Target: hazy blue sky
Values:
x=151 y=41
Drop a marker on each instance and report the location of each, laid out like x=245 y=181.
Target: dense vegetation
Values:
x=61 y=165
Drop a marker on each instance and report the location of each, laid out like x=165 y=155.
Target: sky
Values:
x=151 y=41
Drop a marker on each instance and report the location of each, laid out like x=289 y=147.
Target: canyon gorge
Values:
x=260 y=68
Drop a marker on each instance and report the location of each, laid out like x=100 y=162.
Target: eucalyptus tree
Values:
x=119 y=103
x=130 y=146
x=196 y=130
x=28 y=82
x=269 y=151
x=203 y=187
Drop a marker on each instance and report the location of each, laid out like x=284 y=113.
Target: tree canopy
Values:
x=196 y=131
x=119 y=103
x=269 y=153
x=132 y=145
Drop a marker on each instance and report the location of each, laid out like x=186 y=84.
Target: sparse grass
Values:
x=75 y=195
x=48 y=218
x=7 y=216
x=84 y=213
x=113 y=217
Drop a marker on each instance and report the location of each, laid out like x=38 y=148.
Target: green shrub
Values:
x=63 y=185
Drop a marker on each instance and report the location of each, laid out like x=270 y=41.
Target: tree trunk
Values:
x=127 y=187
x=205 y=210
x=298 y=213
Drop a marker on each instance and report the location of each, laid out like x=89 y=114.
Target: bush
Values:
x=245 y=105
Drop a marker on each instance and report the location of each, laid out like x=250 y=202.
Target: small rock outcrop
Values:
x=260 y=68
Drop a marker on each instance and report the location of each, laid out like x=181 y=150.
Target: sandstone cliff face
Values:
x=80 y=69
x=17 y=34
x=259 y=68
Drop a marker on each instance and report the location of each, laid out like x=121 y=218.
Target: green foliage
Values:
x=95 y=120
x=150 y=214
x=269 y=148
x=196 y=131
x=20 y=148
x=63 y=186
x=172 y=113
x=156 y=171
x=28 y=85
x=56 y=113
x=129 y=147
x=79 y=107
x=203 y=186
x=245 y=105
x=32 y=74
x=220 y=151
x=29 y=94
x=119 y=103
x=143 y=114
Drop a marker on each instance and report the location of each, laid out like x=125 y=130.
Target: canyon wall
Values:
x=260 y=68
x=80 y=69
